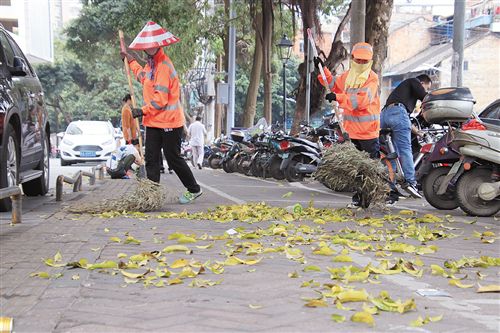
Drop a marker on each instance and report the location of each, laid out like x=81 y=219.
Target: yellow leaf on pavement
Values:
x=492 y=288
x=252 y=306
x=337 y=318
x=315 y=303
x=176 y=248
x=458 y=283
x=353 y=296
x=363 y=317
x=115 y=239
x=174 y=281
x=179 y=263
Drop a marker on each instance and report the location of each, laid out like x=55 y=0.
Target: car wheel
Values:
x=9 y=168
x=40 y=186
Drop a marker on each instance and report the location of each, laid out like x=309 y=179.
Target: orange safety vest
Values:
x=162 y=106
x=361 y=105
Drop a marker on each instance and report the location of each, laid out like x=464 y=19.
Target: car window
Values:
x=492 y=113
x=19 y=53
x=7 y=50
x=86 y=128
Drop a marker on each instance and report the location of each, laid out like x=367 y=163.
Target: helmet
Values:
x=151 y=36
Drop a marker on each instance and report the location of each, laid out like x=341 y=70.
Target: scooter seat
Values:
x=384 y=131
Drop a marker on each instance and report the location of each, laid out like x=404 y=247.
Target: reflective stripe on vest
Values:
x=166 y=107
x=361 y=119
x=161 y=88
x=358 y=47
x=173 y=72
x=354 y=91
x=140 y=76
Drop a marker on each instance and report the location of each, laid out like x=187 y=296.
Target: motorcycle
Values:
x=473 y=179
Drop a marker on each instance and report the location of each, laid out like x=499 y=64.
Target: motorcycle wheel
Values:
x=214 y=162
x=239 y=164
x=226 y=166
x=430 y=185
x=290 y=173
x=468 y=199
x=256 y=168
x=274 y=168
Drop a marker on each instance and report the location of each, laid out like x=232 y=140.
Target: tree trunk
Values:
x=267 y=52
x=253 y=87
x=378 y=15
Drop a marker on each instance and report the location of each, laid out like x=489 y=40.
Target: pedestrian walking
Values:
x=129 y=129
x=396 y=116
x=356 y=91
x=196 y=134
x=162 y=112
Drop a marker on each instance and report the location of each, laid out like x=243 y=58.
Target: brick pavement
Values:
x=100 y=302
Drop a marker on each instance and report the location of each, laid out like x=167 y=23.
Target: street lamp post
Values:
x=284 y=49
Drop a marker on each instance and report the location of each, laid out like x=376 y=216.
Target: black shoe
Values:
x=199 y=166
x=412 y=190
x=162 y=170
x=389 y=202
x=170 y=171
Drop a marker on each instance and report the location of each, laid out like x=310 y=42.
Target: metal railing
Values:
x=14 y=193
x=76 y=180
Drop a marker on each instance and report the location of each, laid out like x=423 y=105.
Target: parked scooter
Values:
x=474 y=179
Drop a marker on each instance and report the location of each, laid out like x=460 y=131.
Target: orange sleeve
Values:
x=138 y=71
x=329 y=78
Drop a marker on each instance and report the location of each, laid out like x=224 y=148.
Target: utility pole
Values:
x=457 y=63
x=358 y=13
x=309 y=70
x=231 y=68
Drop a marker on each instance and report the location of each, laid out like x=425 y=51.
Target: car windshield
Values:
x=95 y=128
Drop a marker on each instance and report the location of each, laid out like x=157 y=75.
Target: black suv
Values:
x=24 y=127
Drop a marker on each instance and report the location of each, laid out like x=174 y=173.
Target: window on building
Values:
x=466 y=65
x=4 y=2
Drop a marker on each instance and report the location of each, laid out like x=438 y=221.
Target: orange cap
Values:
x=362 y=51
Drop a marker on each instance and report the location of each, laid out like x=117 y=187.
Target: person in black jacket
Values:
x=396 y=116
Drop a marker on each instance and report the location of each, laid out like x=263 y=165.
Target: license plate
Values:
x=87 y=154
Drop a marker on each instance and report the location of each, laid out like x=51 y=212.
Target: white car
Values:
x=86 y=141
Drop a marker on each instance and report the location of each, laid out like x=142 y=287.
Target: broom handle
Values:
x=131 y=89
x=323 y=75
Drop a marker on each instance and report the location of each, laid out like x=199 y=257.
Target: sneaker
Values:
x=412 y=190
x=354 y=205
x=170 y=171
x=162 y=170
x=199 y=166
x=390 y=202
x=188 y=197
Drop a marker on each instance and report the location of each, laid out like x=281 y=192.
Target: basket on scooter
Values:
x=447 y=104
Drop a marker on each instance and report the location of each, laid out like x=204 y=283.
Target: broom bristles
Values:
x=147 y=196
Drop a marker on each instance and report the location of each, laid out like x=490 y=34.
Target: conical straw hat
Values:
x=152 y=35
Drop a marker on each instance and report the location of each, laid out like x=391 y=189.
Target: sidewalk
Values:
x=252 y=297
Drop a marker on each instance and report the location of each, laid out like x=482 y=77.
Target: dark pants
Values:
x=372 y=147
x=124 y=165
x=170 y=141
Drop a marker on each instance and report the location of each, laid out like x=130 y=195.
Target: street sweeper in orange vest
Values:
x=162 y=112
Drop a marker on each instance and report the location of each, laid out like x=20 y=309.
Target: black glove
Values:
x=136 y=113
x=134 y=142
x=317 y=62
x=330 y=97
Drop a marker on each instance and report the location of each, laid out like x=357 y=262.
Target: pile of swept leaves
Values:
x=345 y=168
x=147 y=196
